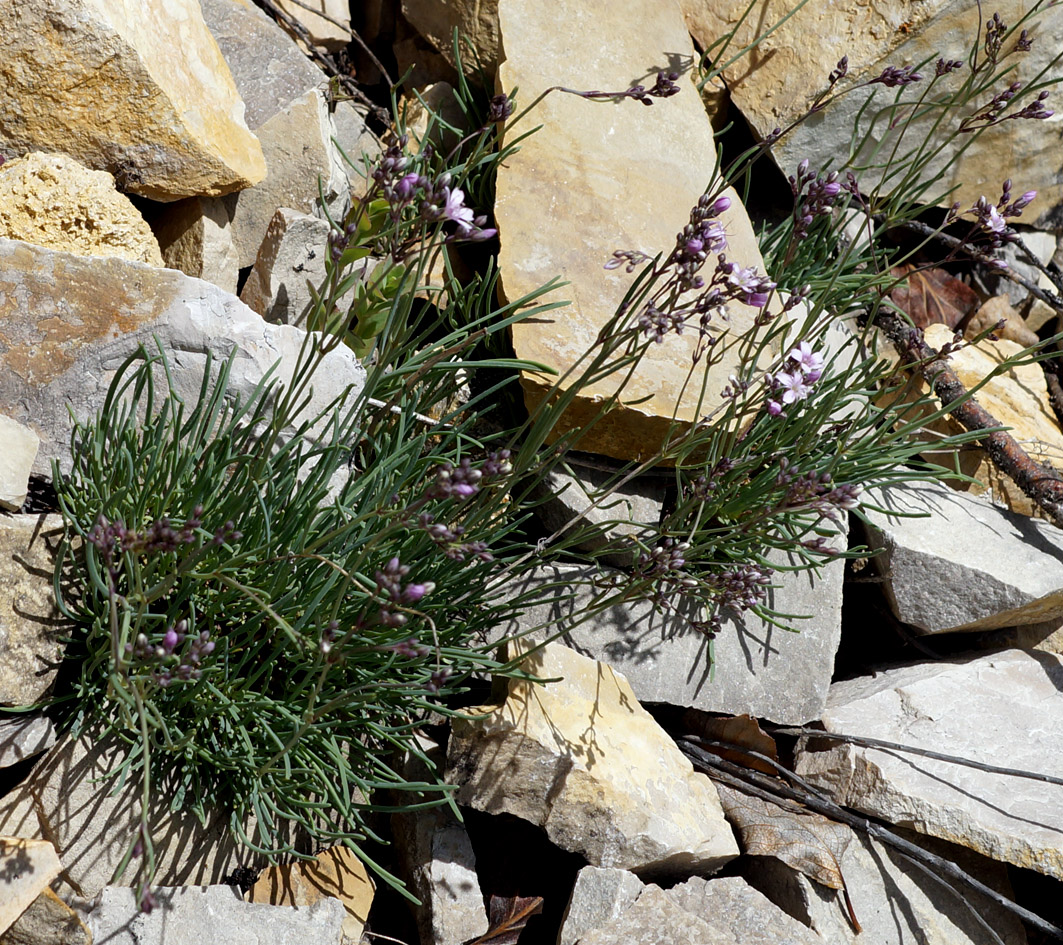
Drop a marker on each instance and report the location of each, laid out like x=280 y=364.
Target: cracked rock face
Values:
x=1004 y=709
x=582 y=759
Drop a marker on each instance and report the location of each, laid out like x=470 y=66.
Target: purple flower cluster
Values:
x=803 y=368
x=992 y=219
x=167 y=665
x=739 y=588
x=396 y=594
x=816 y=492
x=814 y=196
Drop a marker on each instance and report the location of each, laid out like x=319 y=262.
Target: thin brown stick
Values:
x=912 y=750
x=1039 y=481
x=354 y=35
x=771 y=789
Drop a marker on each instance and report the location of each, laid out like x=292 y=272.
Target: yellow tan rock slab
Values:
x=335 y=872
x=55 y=201
x=139 y=89
x=27 y=867
x=601 y=176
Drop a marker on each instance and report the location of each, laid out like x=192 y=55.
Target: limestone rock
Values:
x=630 y=510
x=335 y=873
x=31 y=628
x=759 y=670
x=28 y=866
x=269 y=70
x=215 y=914
x=47 y=921
x=706 y=912
x=963 y=565
x=290 y=261
x=895 y=902
x=18 y=450
x=329 y=23
x=477 y=22
x=777 y=81
x=67 y=799
x=599 y=896
x=297 y=142
x=142 y=92
x=996 y=310
x=1018 y=398
x=24 y=736
x=54 y=201
x=195 y=236
x=599 y=177
x=1000 y=709
x=582 y=759
x=1043 y=245
x=67 y=323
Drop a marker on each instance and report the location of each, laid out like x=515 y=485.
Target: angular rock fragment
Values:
x=895 y=902
x=27 y=866
x=68 y=322
x=581 y=758
x=601 y=176
x=778 y=81
x=599 y=896
x=757 y=669
x=148 y=98
x=54 y=201
x=31 y=627
x=1003 y=709
x=963 y=564
x=24 y=736
x=18 y=450
x=328 y=23
x=195 y=236
x=334 y=873
x=47 y=921
x=290 y=261
x=300 y=154
x=215 y=914
x=476 y=22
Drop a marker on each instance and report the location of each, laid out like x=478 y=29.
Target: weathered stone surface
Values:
x=599 y=177
x=145 y=96
x=440 y=866
x=759 y=670
x=996 y=310
x=582 y=759
x=332 y=30
x=895 y=902
x=31 y=627
x=18 y=450
x=777 y=82
x=964 y=565
x=1000 y=709
x=1018 y=398
x=27 y=866
x=47 y=921
x=24 y=736
x=215 y=914
x=54 y=201
x=335 y=873
x=290 y=261
x=599 y=896
x=1043 y=245
x=269 y=70
x=475 y=20
x=631 y=510
x=67 y=799
x=705 y=912
x=195 y=236
x=297 y=142
x=67 y=323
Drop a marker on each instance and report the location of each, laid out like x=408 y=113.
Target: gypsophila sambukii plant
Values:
x=270 y=604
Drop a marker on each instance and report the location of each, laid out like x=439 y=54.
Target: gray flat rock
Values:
x=1004 y=709
x=964 y=564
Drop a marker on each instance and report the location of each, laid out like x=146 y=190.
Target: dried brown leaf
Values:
x=507 y=916
x=806 y=842
x=742 y=731
x=933 y=297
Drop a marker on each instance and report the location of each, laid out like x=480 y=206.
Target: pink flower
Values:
x=809 y=361
x=455 y=210
x=793 y=386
